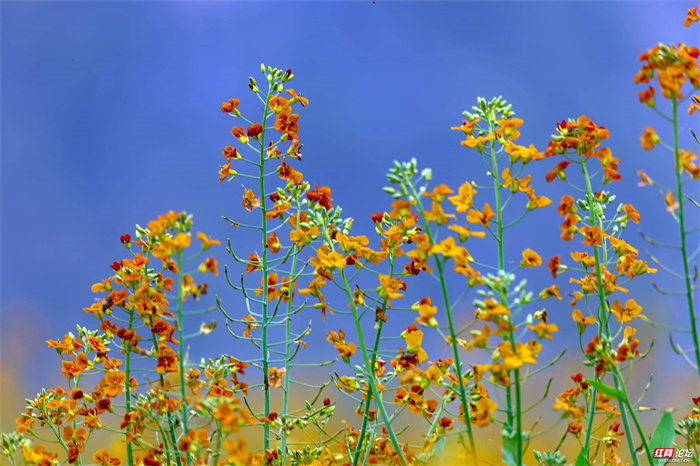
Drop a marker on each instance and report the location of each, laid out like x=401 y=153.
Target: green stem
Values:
x=453 y=335
x=181 y=349
x=603 y=327
x=370 y=373
x=287 y=346
x=264 y=324
x=171 y=426
x=681 y=222
x=636 y=422
x=127 y=390
x=365 y=417
x=504 y=302
x=589 y=422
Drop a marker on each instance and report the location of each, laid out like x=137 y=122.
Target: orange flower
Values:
x=239 y=133
x=272 y=280
x=482 y=411
x=427 y=313
x=225 y=170
x=231 y=153
x=543 y=330
x=484 y=217
x=691 y=17
x=230 y=107
x=276 y=376
x=113 y=383
x=509 y=128
x=67 y=346
x=250 y=200
x=536 y=202
x=437 y=215
x=286 y=123
x=649 y=138
x=302 y=237
x=565 y=206
x=468 y=126
x=463 y=233
x=273 y=243
x=439 y=193
x=321 y=195
x=694 y=104
x=630 y=311
x=671 y=203
x=647 y=97
x=530 y=259
x=478 y=143
x=328 y=259
x=515 y=184
x=558 y=171
x=593 y=236
x=552 y=291
x=277 y=104
x=207 y=242
x=25 y=422
x=522 y=153
x=76 y=367
x=287 y=172
x=209 y=265
x=554 y=266
x=254 y=263
x=297 y=98
x=574 y=428
x=389 y=288
x=480 y=339
x=631 y=213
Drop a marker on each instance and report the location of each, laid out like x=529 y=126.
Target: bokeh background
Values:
x=110 y=117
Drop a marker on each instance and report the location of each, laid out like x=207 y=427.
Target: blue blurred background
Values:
x=110 y=117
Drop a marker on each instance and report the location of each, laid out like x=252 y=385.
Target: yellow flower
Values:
x=552 y=291
x=509 y=128
x=427 y=313
x=463 y=233
x=209 y=265
x=582 y=322
x=207 y=242
x=628 y=312
x=480 y=338
x=482 y=411
x=463 y=200
x=530 y=259
x=543 y=330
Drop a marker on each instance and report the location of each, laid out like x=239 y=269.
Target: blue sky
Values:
x=110 y=117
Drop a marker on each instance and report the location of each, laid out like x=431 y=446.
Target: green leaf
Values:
x=664 y=433
x=607 y=391
x=581 y=459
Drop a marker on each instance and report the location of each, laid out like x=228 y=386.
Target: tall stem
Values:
x=127 y=390
x=377 y=338
x=450 y=323
x=181 y=351
x=287 y=346
x=681 y=222
x=370 y=373
x=504 y=302
x=603 y=327
x=265 y=323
